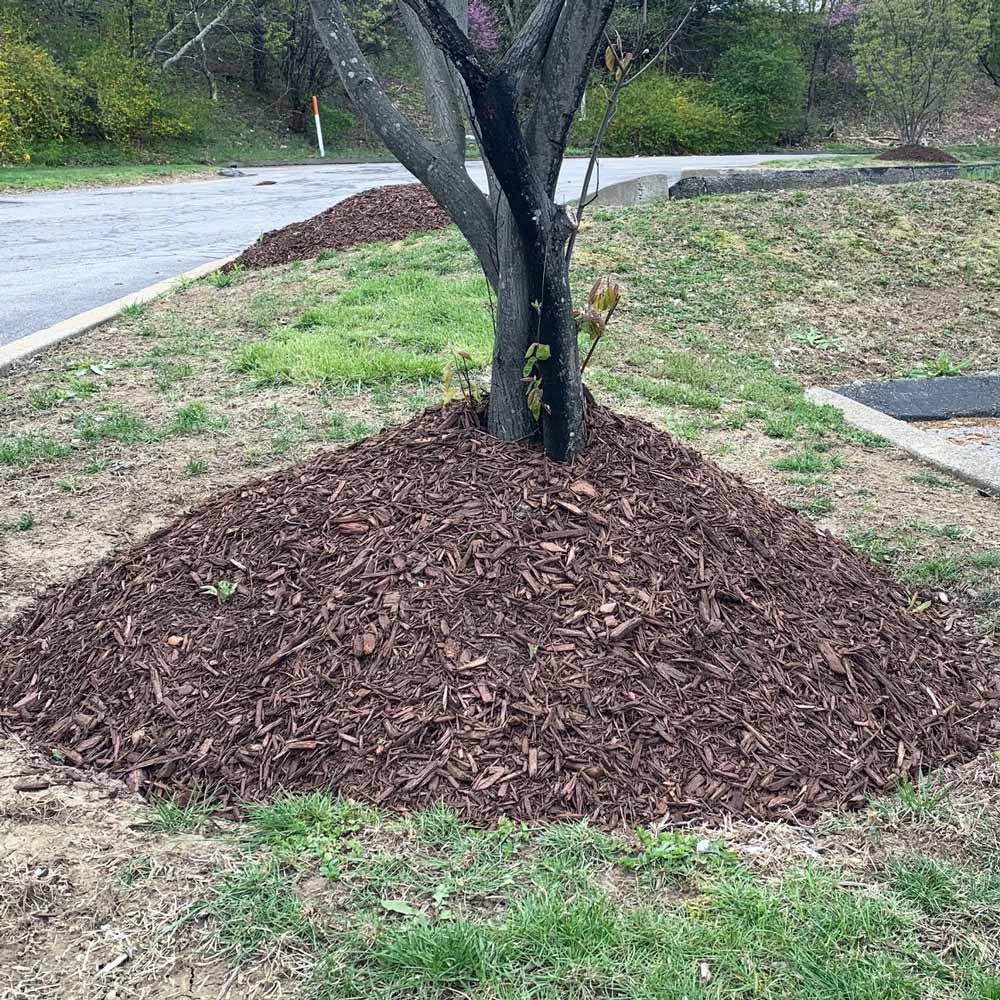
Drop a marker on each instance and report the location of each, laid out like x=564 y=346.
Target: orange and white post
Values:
x=319 y=126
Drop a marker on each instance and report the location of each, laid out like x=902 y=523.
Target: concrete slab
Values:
x=941 y=454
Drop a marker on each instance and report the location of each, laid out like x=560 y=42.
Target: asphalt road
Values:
x=63 y=252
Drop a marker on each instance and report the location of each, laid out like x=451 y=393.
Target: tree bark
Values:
x=442 y=87
x=521 y=108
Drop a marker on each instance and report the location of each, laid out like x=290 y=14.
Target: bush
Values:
x=123 y=102
x=661 y=115
x=33 y=98
x=762 y=78
x=337 y=124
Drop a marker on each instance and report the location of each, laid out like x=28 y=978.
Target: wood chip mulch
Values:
x=431 y=615
x=917 y=154
x=382 y=213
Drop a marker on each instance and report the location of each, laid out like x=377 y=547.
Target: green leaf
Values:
x=402 y=907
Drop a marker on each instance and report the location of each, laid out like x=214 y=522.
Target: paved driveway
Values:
x=63 y=252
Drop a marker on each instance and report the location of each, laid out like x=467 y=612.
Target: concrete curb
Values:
x=40 y=340
x=696 y=182
x=975 y=470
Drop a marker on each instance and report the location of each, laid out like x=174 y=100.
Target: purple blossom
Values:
x=843 y=12
x=483 y=29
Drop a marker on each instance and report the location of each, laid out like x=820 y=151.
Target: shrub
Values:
x=762 y=78
x=337 y=124
x=661 y=115
x=915 y=57
x=122 y=101
x=33 y=97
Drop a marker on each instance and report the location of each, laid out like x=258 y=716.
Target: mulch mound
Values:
x=431 y=615
x=383 y=213
x=917 y=154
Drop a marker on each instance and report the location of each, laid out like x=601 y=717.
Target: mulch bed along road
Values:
x=383 y=213
x=433 y=615
x=917 y=154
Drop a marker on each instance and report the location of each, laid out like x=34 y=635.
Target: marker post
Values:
x=319 y=127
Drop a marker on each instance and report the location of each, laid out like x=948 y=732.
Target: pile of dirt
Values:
x=917 y=154
x=382 y=213
x=432 y=615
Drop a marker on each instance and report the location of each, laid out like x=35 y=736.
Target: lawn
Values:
x=54 y=178
x=730 y=307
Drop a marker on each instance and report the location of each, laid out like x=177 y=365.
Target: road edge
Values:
x=976 y=471
x=34 y=343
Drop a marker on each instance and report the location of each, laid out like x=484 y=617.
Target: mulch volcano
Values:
x=917 y=154
x=382 y=213
x=431 y=615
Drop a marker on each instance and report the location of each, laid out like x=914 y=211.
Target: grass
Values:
x=175 y=815
x=23 y=179
x=116 y=424
x=29 y=449
x=427 y=907
x=404 y=325
x=195 y=418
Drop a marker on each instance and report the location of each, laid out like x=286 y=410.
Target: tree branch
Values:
x=180 y=53
x=443 y=175
x=565 y=72
x=528 y=49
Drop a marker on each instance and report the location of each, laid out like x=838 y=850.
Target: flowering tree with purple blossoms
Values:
x=483 y=27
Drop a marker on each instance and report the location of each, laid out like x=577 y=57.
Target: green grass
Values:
x=115 y=424
x=430 y=908
x=195 y=418
x=23 y=450
x=405 y=325
x=23 y=522
x=808 y=460
x=183 y=815
x=23 y=179
x=804 y=935
x=253 y=905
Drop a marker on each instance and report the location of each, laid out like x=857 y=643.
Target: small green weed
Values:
x=171 y=814
x=223 y=279
x=29 y=449
x=195 y=418
x=133 y=310
x=935 y=482
x=915 y=800
x=816 y=340
x=222 y=590
x=23 y=522
x=941 y=366
x=195 y=467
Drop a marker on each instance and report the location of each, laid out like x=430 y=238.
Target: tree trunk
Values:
x=442 y=87
x=257 y=42
x=509 y=417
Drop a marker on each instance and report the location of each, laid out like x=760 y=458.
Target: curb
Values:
x=40 y=340
x=977 y=471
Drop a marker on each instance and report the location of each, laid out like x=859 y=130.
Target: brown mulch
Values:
x=382 y=213
x=431 y=615
x=917 y=154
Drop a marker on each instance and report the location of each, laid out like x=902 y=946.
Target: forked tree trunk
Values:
x=521 y=107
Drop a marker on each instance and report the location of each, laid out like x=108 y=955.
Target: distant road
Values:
x=63 y=252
